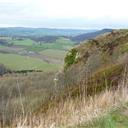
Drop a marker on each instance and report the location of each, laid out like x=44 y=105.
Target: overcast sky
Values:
x=64 y=13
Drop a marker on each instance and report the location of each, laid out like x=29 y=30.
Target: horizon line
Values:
x=72 y=28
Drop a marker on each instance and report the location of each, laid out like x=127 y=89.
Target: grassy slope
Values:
x=95 y=55
x=17 y=62
x=115 y=119
x=110 y=49
x=104 y=110
x=35 y=88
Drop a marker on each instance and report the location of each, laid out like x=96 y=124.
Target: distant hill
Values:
x=90 y=35
x=75 y=39
x=39 y=32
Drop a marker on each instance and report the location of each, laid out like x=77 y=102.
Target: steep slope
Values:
x=99 y=61
x=91 y=35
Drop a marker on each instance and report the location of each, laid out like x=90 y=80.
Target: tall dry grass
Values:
x=81 y=110
x=76 y=112
x=21 y=94
x=62 y=113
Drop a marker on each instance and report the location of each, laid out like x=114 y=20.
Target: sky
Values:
x=82 y=14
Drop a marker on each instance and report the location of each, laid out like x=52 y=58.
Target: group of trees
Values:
x=3 y=69
x=3 y=42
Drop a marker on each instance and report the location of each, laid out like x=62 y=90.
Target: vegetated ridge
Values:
x=101 y=59
x=90 y=35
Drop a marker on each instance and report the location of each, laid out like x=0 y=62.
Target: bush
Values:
x=70 y=58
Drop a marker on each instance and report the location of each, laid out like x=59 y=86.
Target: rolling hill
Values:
x=91 y=35
x=20 y=31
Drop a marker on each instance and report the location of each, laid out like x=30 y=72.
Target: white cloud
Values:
x=90 y=11
x=79 y=8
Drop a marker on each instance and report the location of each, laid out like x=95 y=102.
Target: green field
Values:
x=2 y=46
x=61 y=44
x=64 y=41
x=51 y=53
x=24 y=42
x=16 y=54
x=17 y=62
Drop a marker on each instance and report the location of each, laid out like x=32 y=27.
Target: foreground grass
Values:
x=27 y=97
x=83 y=112
x=116 y=118
x=21 y=94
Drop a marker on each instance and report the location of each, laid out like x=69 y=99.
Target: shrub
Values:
x=70 y=58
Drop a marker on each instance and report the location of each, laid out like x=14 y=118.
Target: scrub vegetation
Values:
x=89 y=90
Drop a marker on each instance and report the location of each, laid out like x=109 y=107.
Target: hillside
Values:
x=90 y=35
x=101 y=58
